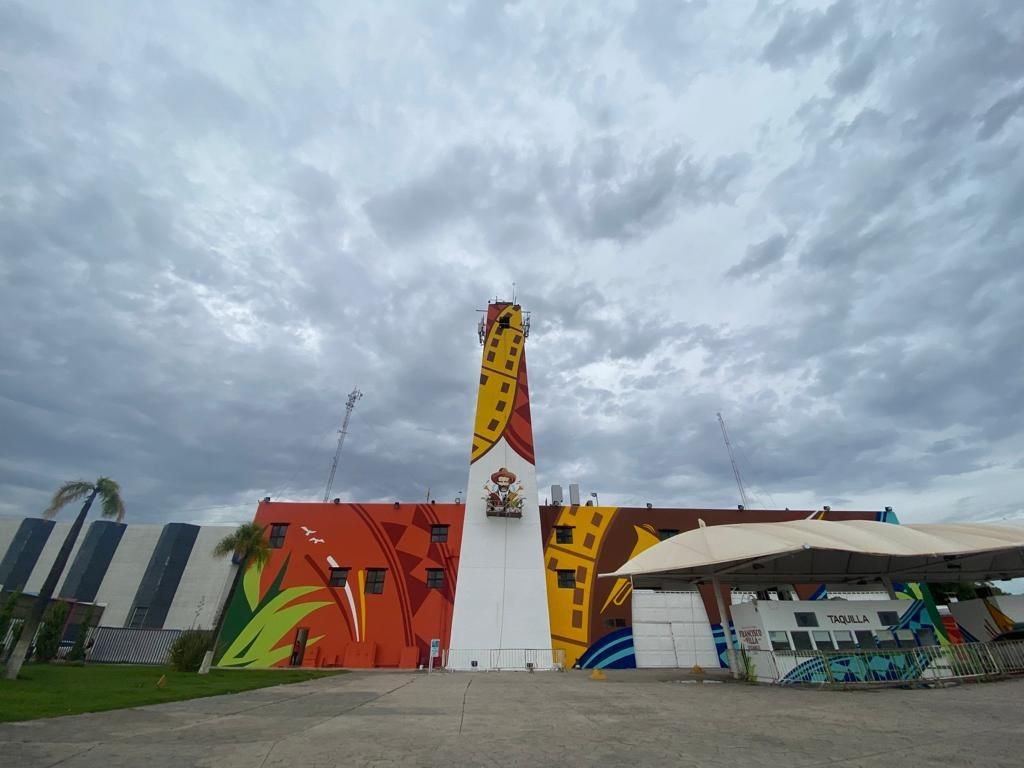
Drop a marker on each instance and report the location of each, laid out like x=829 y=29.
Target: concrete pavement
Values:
x=518 y=719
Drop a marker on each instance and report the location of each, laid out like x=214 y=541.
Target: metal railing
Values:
x=503 y=659
x=889 y=666
x=119 y=645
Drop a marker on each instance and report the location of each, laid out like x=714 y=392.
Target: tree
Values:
x=111 y=505
x=77 y=652
x=52 y=632
x=247 y=546
x=5 y=620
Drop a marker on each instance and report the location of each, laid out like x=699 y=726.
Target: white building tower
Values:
x=500 y=619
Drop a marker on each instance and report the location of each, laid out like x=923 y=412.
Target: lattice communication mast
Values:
x=354 y=395
x=732 y=459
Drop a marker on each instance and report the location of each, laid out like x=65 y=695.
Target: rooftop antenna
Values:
x=513 y=291
x=732 y=459
x=354 y=395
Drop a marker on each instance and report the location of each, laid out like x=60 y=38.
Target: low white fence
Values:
x=503 y=659
x=892 y=666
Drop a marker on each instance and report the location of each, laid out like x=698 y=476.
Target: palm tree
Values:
x=111 y=506
x=247 y=546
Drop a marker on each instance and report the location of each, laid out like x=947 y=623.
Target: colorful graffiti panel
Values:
x=594 y=613
x=352 y=585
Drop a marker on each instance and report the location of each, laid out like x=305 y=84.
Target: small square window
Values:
x=805 y=619
x=277 y=533
x=435 y=578
x=866 y=639
x=823 y=640
x=567 y=579
x=375 y=581
x=779 y=641
x=338 y=577
x=563 y=534
x=886 y=639
x=844 y=639
x=802 y=641
x=667 y=533
x=888 y=617
x=439 y=533
x=615 y=622
x=905 y=637
x=926 y=636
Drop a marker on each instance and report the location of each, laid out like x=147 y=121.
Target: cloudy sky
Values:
x=216 y=218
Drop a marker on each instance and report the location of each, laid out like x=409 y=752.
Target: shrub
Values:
x=189 y=648
x=5 y=620
x=77 y=652
x=49 y=637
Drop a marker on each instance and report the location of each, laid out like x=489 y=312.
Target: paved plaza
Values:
x=520 y=719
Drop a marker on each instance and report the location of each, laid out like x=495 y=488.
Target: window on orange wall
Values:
x=339 y=576
x=375 y=581
x=563 y=534
x=435 y=578
x=439 y=533
x=277 y=533
x=567 y=579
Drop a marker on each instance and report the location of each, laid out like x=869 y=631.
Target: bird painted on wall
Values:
x=307 y=531
x=315 y=540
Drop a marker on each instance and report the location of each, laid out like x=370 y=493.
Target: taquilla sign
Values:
x=847 y=618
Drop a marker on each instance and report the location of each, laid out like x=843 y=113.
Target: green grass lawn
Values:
x=51 y=690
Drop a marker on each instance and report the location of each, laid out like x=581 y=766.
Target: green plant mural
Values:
x=256 y=625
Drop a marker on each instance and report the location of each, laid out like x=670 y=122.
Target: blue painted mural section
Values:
x=861 y=667
x=613 y=651
x=721 y=644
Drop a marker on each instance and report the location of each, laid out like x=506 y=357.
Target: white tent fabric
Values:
x=812 y=551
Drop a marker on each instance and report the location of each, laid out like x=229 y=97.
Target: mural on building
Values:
x=591 y=621
x=868 y=667
x=503 y=495
x=986 y=618
x=503 y=401
x=355 y=585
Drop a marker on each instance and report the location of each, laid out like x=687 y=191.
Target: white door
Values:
x=670 y=629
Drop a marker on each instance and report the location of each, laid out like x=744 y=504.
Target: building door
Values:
x=670 y=629
x=299 y=646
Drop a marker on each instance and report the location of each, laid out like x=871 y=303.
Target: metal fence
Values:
x=503 y=659
x=894 y=666
x=118 y=645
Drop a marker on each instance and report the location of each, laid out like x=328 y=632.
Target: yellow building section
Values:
x=499 y=372
x=570 y=610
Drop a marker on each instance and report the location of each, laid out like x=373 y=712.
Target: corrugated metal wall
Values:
x=117 y=645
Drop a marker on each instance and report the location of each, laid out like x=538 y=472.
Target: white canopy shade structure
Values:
x=834 y=552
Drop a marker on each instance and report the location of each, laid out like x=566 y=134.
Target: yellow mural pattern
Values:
x=570 y=610
x=499 y=371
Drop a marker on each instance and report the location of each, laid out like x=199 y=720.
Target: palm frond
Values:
x=110 y=493
x=247 y=544
x=70 y=491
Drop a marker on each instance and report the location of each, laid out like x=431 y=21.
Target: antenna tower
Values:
x=732 y=459
x=354 y=395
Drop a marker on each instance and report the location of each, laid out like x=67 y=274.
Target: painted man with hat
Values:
x=503 y=496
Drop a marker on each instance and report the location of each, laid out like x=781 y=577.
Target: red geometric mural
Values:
x=397 y=595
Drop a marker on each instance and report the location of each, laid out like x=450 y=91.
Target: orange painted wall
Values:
x=391 y=629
